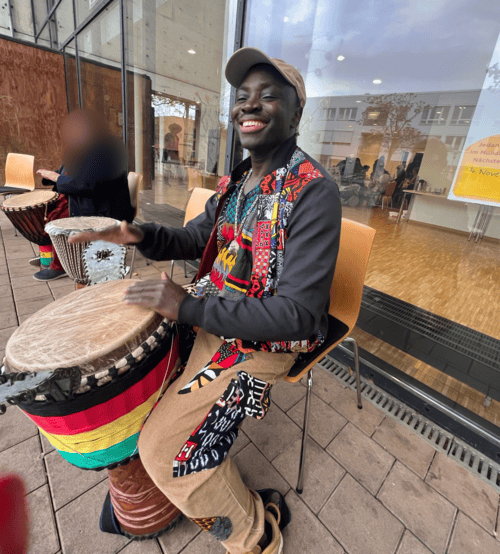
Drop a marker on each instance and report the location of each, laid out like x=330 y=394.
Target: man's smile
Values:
x=252 y=125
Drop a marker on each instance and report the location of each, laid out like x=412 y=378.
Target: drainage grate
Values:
x=469 y=458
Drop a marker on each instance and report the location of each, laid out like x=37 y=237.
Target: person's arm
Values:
x=162 y=243
x=295 y=312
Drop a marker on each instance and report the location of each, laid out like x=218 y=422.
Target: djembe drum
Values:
x=88 y=369
x=71 y=256
x=28 y=213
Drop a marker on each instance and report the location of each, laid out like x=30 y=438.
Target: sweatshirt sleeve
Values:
x=303 y=293
x=187 y=243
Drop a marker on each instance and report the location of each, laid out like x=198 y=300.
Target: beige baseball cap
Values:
x=245 y=58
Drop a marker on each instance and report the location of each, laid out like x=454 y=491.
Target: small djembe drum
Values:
x=88 y=369
x=79 y=259
x=28 y=213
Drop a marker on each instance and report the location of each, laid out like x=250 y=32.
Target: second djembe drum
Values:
x=87 y=370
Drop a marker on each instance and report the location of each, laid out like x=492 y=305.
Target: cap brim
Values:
x=242 y=60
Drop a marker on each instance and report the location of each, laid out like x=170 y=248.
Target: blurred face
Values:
x=266 y=112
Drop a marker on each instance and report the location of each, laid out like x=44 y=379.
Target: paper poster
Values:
x=477 y=178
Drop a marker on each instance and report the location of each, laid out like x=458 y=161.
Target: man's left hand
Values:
x=163 y=296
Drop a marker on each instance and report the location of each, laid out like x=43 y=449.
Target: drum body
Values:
x=28 y=213
x=71 y=255
x=121 y=358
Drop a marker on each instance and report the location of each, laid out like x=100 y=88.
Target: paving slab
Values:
x=142 y=547
x=175 y=540
x=8 y=319
x=20 y=262
x=204 y=543
x=22 y=270
x=360 y=522
x=306 y=533
x=469 y=538
x=239 y=444
x=411 y=545
x=5 y=292
x=324 y=421
x=367 y=419
x=427 y=514
x=5 y=335
x=46 y=446
x=286 y=395
x=406 y=446
x=78 y=524
x=67 y=482
x=272 y=434
x=471 y=495
x=43 y=534
x=37 y=290
x=325 y=385
x=25 y=459
x=15 y=427
x=322 y=473
x=257 y=472
x=27 y=281
x=31 y=306
x=59 y=292
x=6 y=305
x=365 y=460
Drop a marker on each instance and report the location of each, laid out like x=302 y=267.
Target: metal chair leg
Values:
x=132 y=263
x=356 y=369
x=172 y=270
x=300 y=481
x=185 y=269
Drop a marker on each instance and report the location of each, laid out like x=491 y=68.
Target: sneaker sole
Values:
x=52 y=279
x=35 y=262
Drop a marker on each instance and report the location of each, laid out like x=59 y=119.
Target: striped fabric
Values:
x=104 y=427
x=46 y=256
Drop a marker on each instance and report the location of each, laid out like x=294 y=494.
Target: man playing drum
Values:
x=268 y=242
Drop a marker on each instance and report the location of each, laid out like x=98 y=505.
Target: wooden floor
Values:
x=435 y=269
x=442 y=272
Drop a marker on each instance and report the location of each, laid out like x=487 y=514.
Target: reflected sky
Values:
x=429 y=45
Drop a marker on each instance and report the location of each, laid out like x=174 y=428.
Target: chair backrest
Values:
x=19 y=171
x=356 y=242
x=134 y=186
x=196 y=204
x=195 y=179
x=390 y=188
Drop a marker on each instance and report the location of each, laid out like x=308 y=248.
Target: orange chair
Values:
x=389 y=191
x=134 y=187
x=194 y=208
x=356 y=242
x=19 y=174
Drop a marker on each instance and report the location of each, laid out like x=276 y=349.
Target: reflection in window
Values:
x=462 y=115
x=373 y=116
x=347 y=114
x=435 y=115
x=455 y=143
x=328 y=114
x=335 y=137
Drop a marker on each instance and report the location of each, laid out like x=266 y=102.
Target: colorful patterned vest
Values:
x=256 y=268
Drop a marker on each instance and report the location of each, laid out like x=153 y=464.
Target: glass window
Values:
x=328 y=114
x=435 y=115
x=64 y=20
x=402 y=113
x=462 y=115
x=347 y=114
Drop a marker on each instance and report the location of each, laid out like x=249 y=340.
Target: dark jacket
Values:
x=300 y=306
x=100 y=185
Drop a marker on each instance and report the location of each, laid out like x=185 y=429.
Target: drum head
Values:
x=91 y=328
x=87 y=223
x=29 y=199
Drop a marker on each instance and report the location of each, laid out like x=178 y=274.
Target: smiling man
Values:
x=268 y=242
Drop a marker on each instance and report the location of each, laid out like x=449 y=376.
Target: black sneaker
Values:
x=49 y=275
x=36 y=261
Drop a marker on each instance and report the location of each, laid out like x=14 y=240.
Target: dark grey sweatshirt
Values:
x=300 y=306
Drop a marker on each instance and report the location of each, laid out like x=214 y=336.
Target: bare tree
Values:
x=393 y=115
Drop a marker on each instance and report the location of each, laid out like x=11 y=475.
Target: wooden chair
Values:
x=389 y=191
x=19 y=174
x=356 y=242
x=134 y=187
x=194 y=208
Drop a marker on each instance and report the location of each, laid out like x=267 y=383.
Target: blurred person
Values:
x=14 y=515
x=92 y=180
x=269 y=240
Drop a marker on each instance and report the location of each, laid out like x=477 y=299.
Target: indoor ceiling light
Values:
x=377 y=81
x=340 y=58
x=191 y=51
x=358 y=101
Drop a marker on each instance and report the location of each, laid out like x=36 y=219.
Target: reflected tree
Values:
x=396 y=111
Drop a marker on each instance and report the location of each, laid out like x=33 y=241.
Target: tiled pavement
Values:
x=371 y=486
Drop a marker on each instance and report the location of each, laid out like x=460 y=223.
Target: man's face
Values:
x=266 y=112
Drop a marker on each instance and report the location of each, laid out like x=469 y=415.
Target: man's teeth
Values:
x=253 y=124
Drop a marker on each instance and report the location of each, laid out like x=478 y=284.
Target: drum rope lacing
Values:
x=130 y=362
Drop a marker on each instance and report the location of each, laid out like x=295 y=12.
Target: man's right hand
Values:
x=125 y=233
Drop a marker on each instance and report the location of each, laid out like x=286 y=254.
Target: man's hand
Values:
x=163 y=296
x=50 y=175
x=125 y=233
